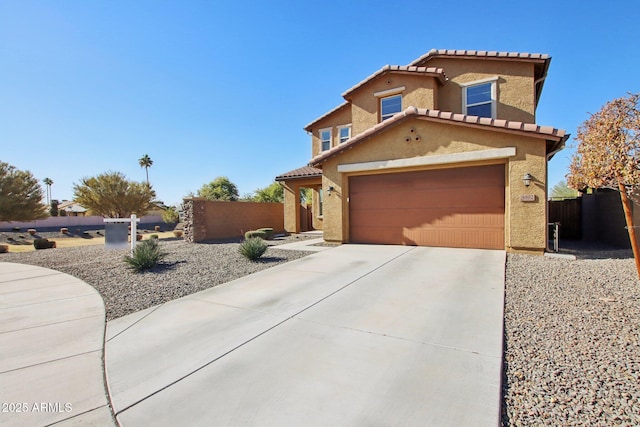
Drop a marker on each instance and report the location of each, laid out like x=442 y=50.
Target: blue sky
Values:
x=210 y=88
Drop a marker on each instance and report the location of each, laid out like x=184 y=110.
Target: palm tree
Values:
x=145 y=162
x=48 y=182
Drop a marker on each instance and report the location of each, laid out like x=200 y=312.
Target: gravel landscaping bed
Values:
x=572 y=352
x=188 y=268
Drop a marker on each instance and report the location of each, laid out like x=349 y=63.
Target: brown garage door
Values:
x=462 y=207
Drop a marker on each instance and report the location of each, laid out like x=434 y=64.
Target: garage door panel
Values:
x=448 y=207
x=429 y=217
x=479 y=199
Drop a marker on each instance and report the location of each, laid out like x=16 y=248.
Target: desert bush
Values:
x=32 y=231
x=146 y=255
x=269 y=232
x=4 y=249
x=64 y=230
x=43 y=244
x=255 y=233
x=153 y=236
x=138 y=237
x=170 y=215
x=177 y=233
x=253 y=248
x=156 y=228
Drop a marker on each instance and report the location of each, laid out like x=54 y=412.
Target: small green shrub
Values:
x=4 y=249
x=153 y=236
x=269 y=232
x=253 y=248
x=43 y=244
x=146 y=255
x=255 y=233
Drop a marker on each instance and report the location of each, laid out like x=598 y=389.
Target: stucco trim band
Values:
x=440 y=159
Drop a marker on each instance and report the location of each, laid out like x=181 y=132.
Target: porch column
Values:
x=291 y=207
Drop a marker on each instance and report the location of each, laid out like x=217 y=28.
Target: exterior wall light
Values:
x=527 y=179
x=330 y=190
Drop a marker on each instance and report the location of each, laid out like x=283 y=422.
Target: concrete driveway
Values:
x=356 y=335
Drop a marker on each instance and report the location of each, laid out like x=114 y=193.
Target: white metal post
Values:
x=134 y=232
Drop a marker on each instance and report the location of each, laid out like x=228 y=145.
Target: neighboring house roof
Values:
x=303 y=172
x=71 y=206
x=542 y=60
x=558 y=136
x=400 y=69
x=338 y=108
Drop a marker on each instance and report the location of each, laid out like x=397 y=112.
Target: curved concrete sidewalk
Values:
x=52 y=329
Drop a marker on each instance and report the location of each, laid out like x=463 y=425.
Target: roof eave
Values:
x=547 y=133
x=309 y=127
x=437 y=73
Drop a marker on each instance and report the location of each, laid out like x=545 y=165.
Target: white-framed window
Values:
x=479 y=98
x=344 y=133
x=325 y=139
x=389 y=106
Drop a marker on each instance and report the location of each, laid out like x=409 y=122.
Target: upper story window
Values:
x=325 y=139
x=390 y=106
x=479 y=98
x=344 y=133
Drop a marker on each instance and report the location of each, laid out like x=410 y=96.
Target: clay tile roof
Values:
x=530 y=129
x=339 y=107
x=479 y=54
x=406 y=69
x=303 y=172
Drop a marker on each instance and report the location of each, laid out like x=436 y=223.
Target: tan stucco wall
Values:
x=209 y=220
x=515 y=90
x=420 y=91
x=525 y=222
x=338 y=118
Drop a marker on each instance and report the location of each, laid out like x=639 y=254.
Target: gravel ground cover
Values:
x=572 y=352
x=188 y=268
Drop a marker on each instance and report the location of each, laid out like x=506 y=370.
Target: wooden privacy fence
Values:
x=568 y=213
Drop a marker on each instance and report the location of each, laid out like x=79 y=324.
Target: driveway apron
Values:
x=355 y=335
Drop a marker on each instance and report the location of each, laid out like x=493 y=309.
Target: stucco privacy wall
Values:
x=211 y=220
x=525 y=222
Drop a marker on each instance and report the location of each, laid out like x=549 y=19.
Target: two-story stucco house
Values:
x=441 y=152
